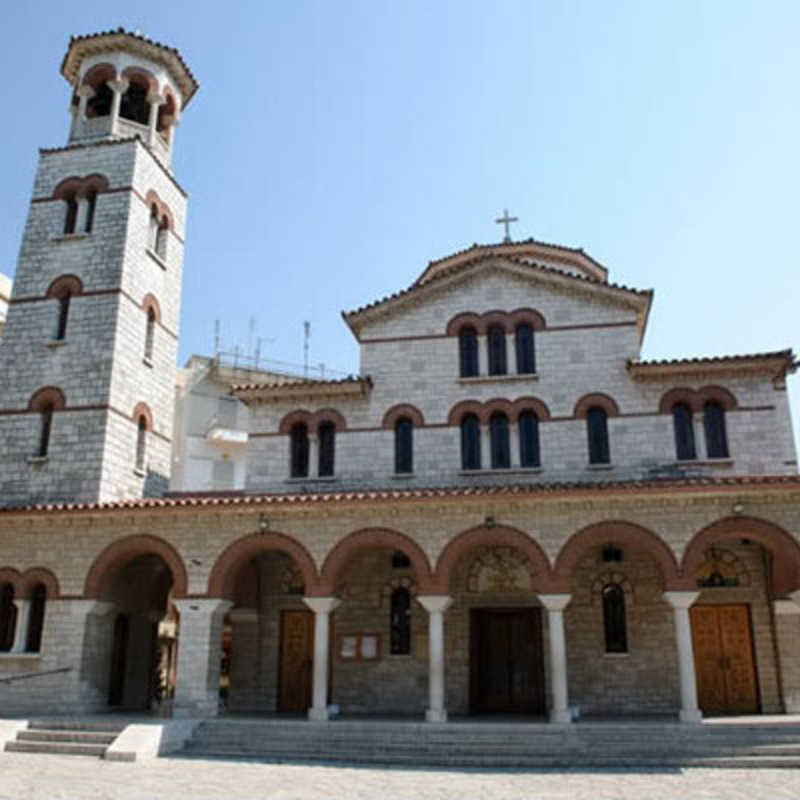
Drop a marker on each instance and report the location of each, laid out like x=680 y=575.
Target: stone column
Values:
x=313 y=455
x=787 y=640
x=435 y=605
x=155 y=100
x=245 y=659
x=486 y=447
x=80 y=218
x=21 y=629
x=513 y=443
x=119 y=88
x=322 y=608
x=559 y=701
x=698 y=423
x=680 y=602
x=199 y=656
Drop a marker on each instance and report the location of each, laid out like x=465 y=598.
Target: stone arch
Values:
x=149 y=302
x=531 y=404
x=458 y=411
x=497 y=404
x=143 y=410
x=526 y=316
x=99 y=73
x=64 y=285
x=717 y=394
x=120 y=552
x=293 y=417
x=495 y=536
x=36 y=575
x=81 y=187
x=399 y=411
x=14 y=577
x=370 y=538
x=330 y=415
x=627 y=534
x=467 y=319
x=597 y=399
x=47 y=397
x=681 y=394
x=494 y=318
x=167 y=111
x=162 y=209
x=248 y=547
x=783 y=546
x=608 y=578
x=143 y=75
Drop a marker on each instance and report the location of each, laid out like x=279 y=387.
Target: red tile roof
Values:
x=783 y=359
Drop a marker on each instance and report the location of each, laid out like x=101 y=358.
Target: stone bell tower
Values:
x=87 y=361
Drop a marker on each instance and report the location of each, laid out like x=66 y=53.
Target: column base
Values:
x=436 y=715
x=318 y=714
x=560 y=716
x=695 y=716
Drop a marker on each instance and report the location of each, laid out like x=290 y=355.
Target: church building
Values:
x=507 y=511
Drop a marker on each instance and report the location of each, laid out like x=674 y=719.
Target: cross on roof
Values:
x=506 y=220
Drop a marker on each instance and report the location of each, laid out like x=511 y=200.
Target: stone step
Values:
x=69 y=724
x=57 y=748
x=78 y=737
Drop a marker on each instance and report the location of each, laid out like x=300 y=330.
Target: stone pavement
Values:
x=48 y=777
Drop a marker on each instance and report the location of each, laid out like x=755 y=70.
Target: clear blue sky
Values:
x=335 y=147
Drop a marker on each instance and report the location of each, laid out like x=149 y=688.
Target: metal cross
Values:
x=505 y=220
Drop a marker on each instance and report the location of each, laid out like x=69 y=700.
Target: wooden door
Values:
x=296 y=660
x=723 y=657
x=507 y=672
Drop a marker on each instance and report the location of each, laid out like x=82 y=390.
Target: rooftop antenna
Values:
x=251 y=332
x=306 y=337
x=216 y=337
x=258 y=350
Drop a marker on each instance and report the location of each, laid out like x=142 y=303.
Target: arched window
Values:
x=91 y=205
x=154 y=226
x=134 y=105
x=526 y=357
x=404 y=445
x=470 y=442
x=716 y=436
x=45 y=428
x=63 y=316
x=498 y=436
x=149 y=335
x=8 y=617
x=614 y=624
x=166 y=115
x=161 y=237
x=496 y=342
x=71 y=218
x=597 y=431
x=400 y=622
x=298 y=437
x=529 y=440
x=468 y=352
x=141 y=442
x=45 y=402
x=326 y=437
x=684 y=432
x=33 y=642
x=62 y=290
x=99 y=105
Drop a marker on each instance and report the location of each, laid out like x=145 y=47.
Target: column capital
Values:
x=786 y=607
x=795 y=596
x=85 y=91
x=554 y=602
x=435 y=602
x=322 y=605
x=119 y=86
x=156 y=99
x=681 y=599
x=202 y=605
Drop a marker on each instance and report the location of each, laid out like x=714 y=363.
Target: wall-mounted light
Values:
x=738 y=508
x=263 y=522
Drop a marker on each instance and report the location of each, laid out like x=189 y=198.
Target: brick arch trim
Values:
x=466 y=319
x=40 y=575
x=162 y=209
x=293 y=417
x=150 y=303
x=680 y=394
x=627 y=534
x=494 y=319
x=330 y=415
x=597 y=399
x=143 y=410
x=717 y=394
x=482 y=536
x=498 y=405
x=14 y=577
x=370 y=538
x=783 y=546
x=531 y=404
x=239 y=552
x=142 y=74
x=395 y=413
x=81 y=187
x=98 y=74
x=47 y=396
x=527 y=316
x=120 y=552
x=64 y=286
x=459 y=410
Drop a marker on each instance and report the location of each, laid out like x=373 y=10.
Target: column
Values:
x=245 y=674
x=322 y=608
x=559 y=701
x=435 y=605
x=313 y=455
x=483 y=356
x=21 y=630
x=199 y=656
x=83 y=211
x=486 y=447
x=680 y=602
x=155 y=100
x=119 y=88
x=787 y=641
x=698 y=421
x=513 y=443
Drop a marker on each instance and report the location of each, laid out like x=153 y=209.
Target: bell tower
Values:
x=87 y=360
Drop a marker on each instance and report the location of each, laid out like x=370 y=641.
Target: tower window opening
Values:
x=496 y=342
x=91 y=204
x=404 y=446
x=150 y=332
x=45 y=429
x=161 y=237
x=63 y=316
x=71 y=218
x=597 y=431
x=100 y=104
x=326 y=434
x=134 y=105
x=299 y=451
x=468 y=352
x=526 y=361
x=141 y=442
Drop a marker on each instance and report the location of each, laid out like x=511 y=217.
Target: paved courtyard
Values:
x=67 y=778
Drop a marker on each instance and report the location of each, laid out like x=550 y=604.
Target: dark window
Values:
x=45 y=428
x=161 y=237
x=141 y=443
x=529 y=439
x=716 y=437
x=100 y=104
x=401 y=622
x=614 y=619
x=400 y=560
x=498 y=436
x=404 y=446
x=63 y=316
x=154 y=225
x=326 y=435
x=470 y=442
x=299 y=451
x=597 y=430
x=468 y=352
x=496 y=342
x=134 y=105
x=149 y=334
x=684 y=432
x=8 y=617
x=91 y=204
x=72 y=214
x=526 y=358
x=33 y=642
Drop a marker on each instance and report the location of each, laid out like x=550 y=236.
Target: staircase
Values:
x=491 y=744
x=66 y=737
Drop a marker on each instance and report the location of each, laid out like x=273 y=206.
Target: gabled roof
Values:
x=81 y=47
x=777 y=362
x=637 y=298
